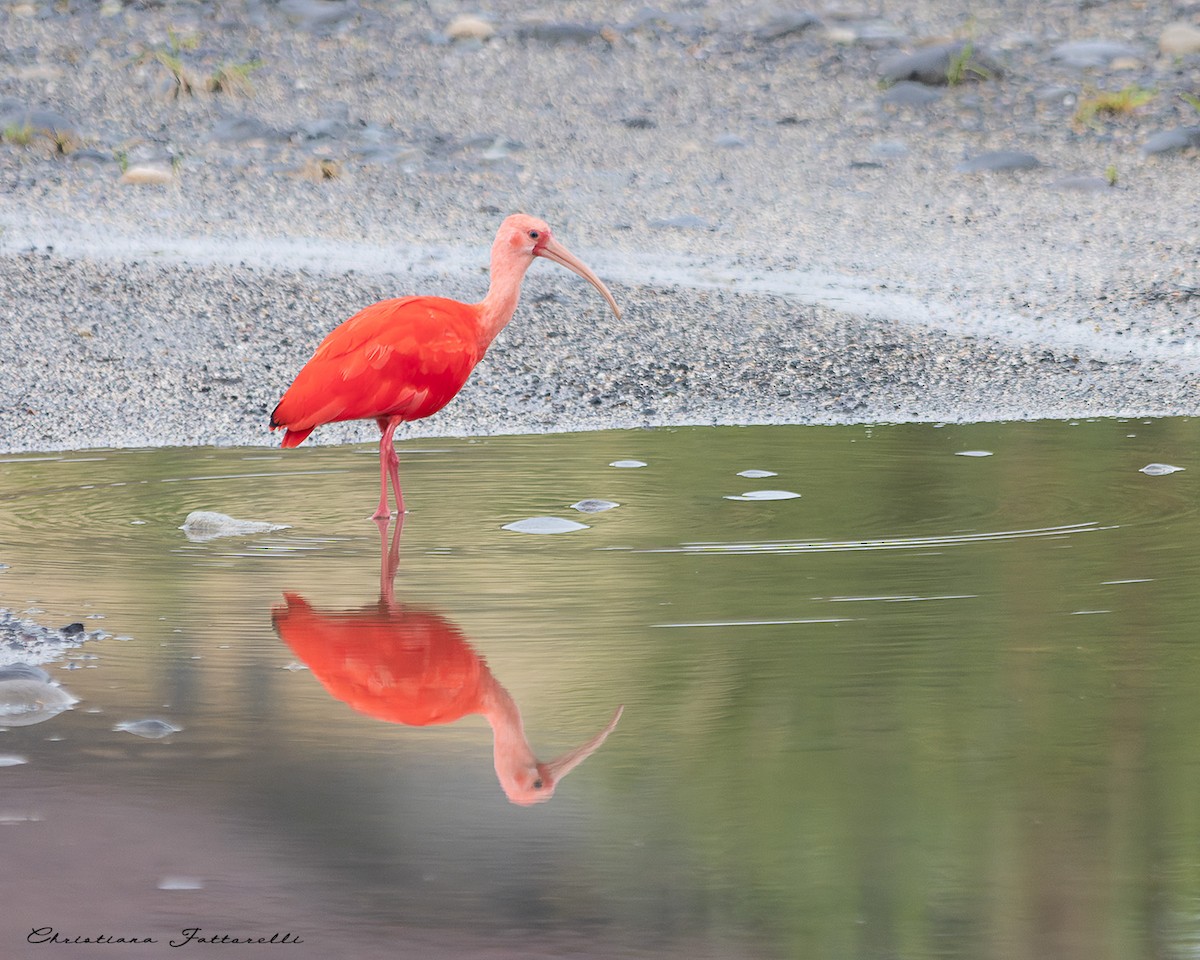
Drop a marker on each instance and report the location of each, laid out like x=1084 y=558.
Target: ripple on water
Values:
x=890 y=543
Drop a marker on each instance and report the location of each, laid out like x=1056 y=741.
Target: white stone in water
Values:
x=545 y=525
x=11 y=760
x=593 y=506
x=202 y=525
x=150 y=729
x=973 y=453
x=180 y=883
x=1159 y=469
x=26 y=700
x=628 y=464
x=757 y=474
x=766 y=495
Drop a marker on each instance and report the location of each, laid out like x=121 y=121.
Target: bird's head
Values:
x=522 y=237
x=527 y=781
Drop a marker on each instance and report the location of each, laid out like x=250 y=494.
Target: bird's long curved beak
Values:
x=558 y=768
x=553 y=250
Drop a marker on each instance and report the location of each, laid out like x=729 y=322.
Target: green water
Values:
x=937 y=706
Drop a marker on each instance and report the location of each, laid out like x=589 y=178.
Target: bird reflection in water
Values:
x=404 y=664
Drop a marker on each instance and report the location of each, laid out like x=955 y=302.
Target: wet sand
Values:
x=790 y=241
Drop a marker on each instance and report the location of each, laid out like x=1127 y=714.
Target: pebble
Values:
x=468 y=27
x=147 y=174
x=998 y=161
x=786 y=24
x=1179 y=40
x=1082 y=183
x=558 y=32
x=909 y=93
x=1092 y=53
x=1172 y=141
x=933 y=65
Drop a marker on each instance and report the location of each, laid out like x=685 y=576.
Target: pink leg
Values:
x=389 y=469
x=389 y=557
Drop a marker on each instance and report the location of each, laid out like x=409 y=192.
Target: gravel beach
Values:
x=863 y=212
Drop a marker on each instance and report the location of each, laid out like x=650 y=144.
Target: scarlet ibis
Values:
x=406 y=358
x=404 y=664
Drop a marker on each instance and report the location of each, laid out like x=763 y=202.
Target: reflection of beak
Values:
x=555 y=770
x=553 y=250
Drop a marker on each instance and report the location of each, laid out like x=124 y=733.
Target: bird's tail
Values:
x=293 y=438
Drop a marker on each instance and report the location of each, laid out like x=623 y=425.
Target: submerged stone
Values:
x=149 y=729
x=1159 y=469
x=544 y=525
x=29 y=696
x=202 y=525
x=765 y=495
x=594 y=506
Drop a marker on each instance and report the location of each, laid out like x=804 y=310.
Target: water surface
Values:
x=936 y=706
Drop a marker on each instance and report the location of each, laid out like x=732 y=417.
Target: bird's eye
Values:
x=533 y=234
x=537 y=784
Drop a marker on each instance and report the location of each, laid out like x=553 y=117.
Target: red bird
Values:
x=405 y=359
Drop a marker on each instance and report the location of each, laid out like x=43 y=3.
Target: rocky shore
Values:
x=846 y=213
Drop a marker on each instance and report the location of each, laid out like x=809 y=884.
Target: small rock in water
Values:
x=12 y=760
x=973 y=453
x=628 y=464
x=202 y=525
x=149 y=729
x=1159 y=469
x=180 y=883
x=766 y=495
x=593 y=506
x=544 y=525
x=757 y=474
x=29 y=696
x=997 y=161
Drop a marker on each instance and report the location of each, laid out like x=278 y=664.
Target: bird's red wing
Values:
x=405 y=357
